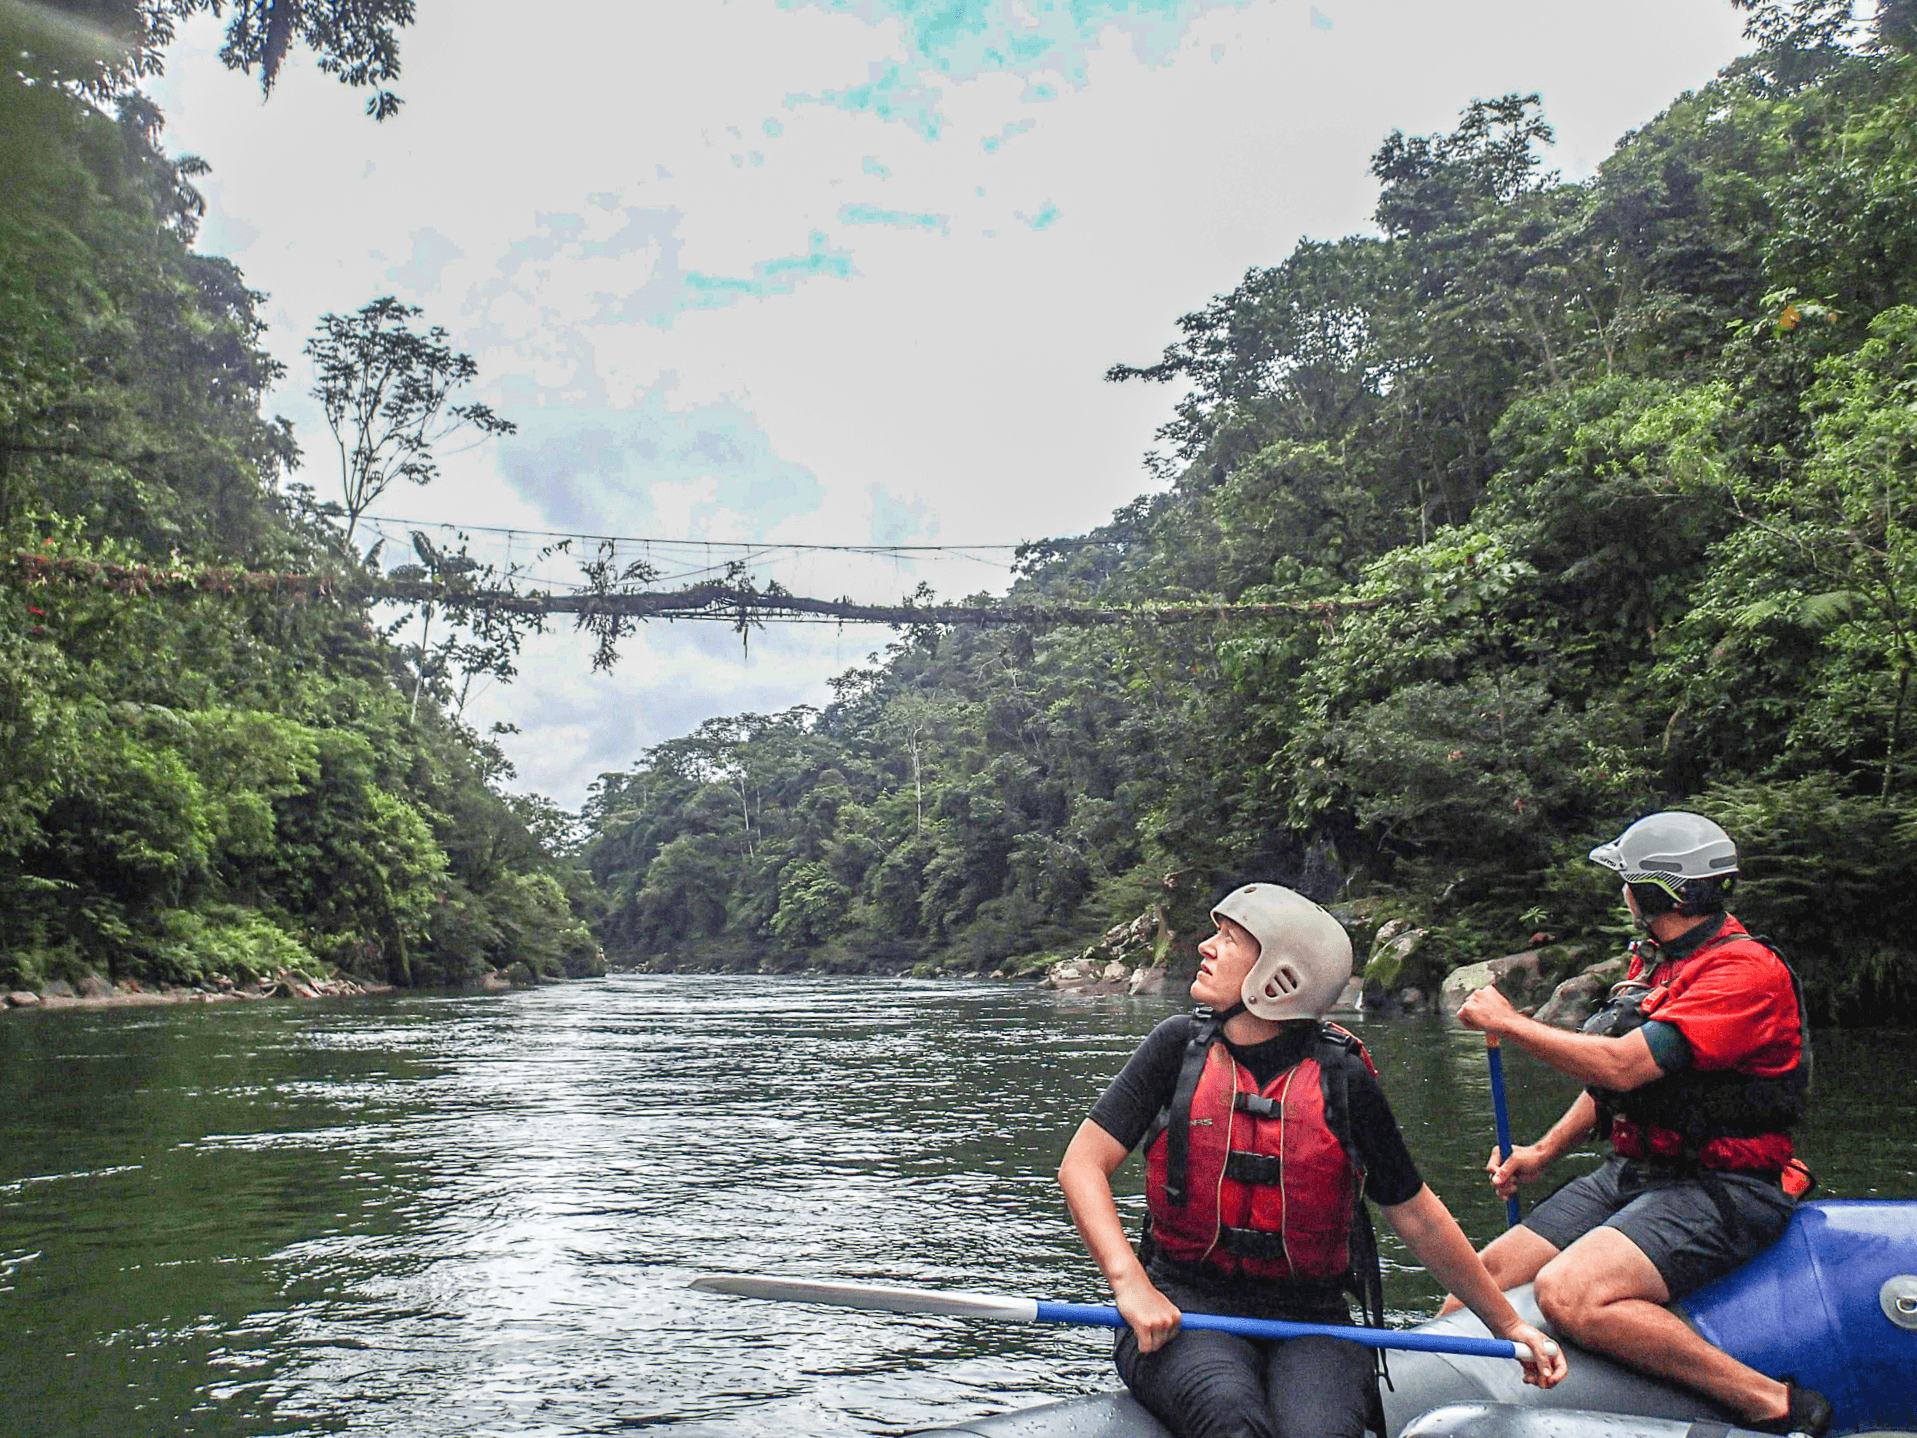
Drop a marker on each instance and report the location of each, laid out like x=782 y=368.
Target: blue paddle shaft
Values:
x=1492 y=1056
x=1104 y=1316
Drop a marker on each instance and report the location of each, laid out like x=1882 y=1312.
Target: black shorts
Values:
x=1694 y=1230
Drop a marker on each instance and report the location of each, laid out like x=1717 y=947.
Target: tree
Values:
x=387 y=394
x=103 y=48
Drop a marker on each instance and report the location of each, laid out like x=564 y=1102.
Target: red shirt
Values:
x=1734 y=1004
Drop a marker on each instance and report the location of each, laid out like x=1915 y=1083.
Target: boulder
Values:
x=92 y=986
x=1517 y=976
x=1116 y=969
x=1461 y=982
x=1351 y=998
x=1412 y=1000
x=57 y=989
x=1147 y=983
x=494 y=982
x=1578 y=997
x=22 y=999
x=1396 y=943
x=1065 y=974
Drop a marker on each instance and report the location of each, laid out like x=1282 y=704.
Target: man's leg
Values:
x=1513 y=1257
x=1604 y=1293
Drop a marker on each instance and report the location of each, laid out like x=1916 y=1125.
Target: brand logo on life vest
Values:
x=1201 y=1123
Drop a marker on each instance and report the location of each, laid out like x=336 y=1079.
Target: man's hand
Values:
x=1547 y=1365
x=1525 y=1163
x=1150 y=1315
x=1488 y=1011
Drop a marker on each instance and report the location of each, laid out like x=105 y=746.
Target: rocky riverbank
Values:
x=92 y=991
x=1550 y=981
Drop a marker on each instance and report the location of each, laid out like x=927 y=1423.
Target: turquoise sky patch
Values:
x=1044 y=219
x=769 y=277
x=964 y=39
x=893 y=219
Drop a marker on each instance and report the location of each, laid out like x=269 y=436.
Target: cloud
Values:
x=704 y=469
x=890 y=92
x=991 y=144
x=669 y=287
x=899 y=521
x=432 y=252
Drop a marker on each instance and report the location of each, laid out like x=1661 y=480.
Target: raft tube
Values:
x=1833 y=1304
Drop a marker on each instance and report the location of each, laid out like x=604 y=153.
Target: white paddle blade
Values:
x=873 y=1296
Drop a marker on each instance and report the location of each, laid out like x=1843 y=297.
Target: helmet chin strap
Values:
x=1225 y=1016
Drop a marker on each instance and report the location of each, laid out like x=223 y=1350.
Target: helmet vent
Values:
x=1282 y=983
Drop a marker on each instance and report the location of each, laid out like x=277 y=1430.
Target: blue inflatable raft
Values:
x=1833 y=1305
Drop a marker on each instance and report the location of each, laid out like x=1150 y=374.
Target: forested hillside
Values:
x=1612 y=487
x=192 y=787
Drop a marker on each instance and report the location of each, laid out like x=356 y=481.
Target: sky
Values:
x=834 y=271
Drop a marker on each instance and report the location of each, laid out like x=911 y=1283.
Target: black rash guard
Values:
x=1145 y=1086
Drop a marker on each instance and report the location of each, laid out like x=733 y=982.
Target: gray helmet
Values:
x=1685 y=855
x=1304 y=955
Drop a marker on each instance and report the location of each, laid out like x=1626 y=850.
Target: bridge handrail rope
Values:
x=712 y=600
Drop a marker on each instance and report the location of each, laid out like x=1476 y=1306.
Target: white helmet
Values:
x=1304 y=955
x=1675 y=851
x=1668 y=848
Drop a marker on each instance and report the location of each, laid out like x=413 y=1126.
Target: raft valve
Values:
x=1899 y=1299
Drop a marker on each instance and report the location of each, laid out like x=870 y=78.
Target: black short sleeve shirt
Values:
x=1145 y=1086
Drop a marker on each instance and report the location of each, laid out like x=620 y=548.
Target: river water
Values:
x=478 y=1215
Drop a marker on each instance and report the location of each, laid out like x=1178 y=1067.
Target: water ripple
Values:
x=435 y=1215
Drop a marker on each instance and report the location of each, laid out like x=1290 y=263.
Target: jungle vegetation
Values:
x=1629 y=465
x=216 y=784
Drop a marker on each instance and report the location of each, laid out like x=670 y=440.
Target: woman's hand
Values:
x=1526 y=1162
x=1547 y=1366
x=1151 y=1316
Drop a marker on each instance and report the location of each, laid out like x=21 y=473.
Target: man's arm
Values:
x=1620 y=1064
x=1527 y=1161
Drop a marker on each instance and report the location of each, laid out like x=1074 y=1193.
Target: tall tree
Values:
x=387 y=391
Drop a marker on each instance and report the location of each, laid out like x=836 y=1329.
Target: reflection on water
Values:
x=479 y=1215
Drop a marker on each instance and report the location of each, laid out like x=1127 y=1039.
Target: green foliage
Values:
x=1826 y=873
x=1616 y=481
x=208 y=784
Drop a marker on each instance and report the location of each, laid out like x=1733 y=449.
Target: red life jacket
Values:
x=1269 y=1189
x=1726 y=1119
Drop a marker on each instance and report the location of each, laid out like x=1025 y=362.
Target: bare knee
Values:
x=1507 y=1269
x=1562 y=1297
x=1516 y=1256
